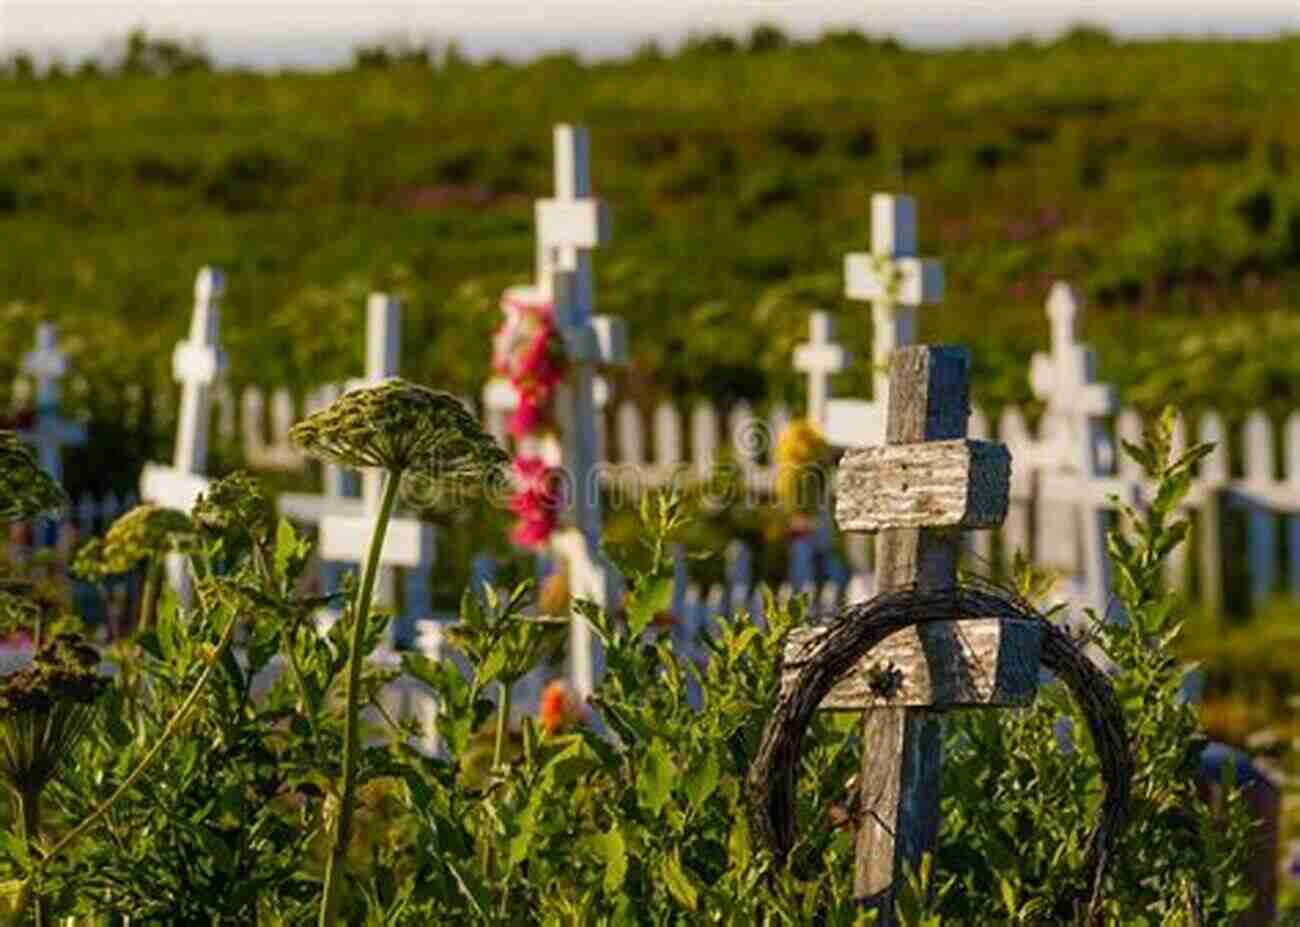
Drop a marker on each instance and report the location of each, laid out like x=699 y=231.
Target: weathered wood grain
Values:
x=938 y=484
x=929 y=400
x=984 y=663
x=899 y=800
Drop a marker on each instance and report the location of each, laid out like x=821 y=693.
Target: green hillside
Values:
x=1160 y=176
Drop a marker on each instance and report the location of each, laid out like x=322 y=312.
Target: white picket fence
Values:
x=1253 y=477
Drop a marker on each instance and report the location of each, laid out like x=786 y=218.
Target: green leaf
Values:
x=492 y=666
x=654 y=781
x=571 y=763
x=702 y=779
x=679 y=883
x=1008 y=896
x=286 y=545
x=612 y=848
x=738 y=845
x=651 y=597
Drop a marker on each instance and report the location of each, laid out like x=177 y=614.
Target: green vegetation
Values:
x=203 y=790
x=1158 y=175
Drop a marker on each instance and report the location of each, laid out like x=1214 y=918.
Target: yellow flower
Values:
x=803 y=474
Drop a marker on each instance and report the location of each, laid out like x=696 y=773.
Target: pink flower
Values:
x=532 y=534
x=529 y=351
x=527 y=417
x=535 y=502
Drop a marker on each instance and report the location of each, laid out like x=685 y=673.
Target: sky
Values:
x=269 y=33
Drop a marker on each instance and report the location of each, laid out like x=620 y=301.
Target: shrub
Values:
x=767 y=37
x=629 y=810
x=248 y=180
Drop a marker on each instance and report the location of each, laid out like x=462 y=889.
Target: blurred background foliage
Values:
x=1159 y=175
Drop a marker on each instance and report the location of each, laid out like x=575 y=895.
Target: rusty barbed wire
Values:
x=773 y=775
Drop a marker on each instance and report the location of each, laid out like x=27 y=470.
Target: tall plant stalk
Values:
x=329 y=908
x=29 y=816
x=503 y=725
x=152 y=592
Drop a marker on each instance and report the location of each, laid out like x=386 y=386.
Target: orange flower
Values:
x=557 y=709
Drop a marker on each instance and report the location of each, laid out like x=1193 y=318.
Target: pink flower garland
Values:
x=529 y=352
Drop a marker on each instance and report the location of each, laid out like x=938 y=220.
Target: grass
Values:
x=1157 y=174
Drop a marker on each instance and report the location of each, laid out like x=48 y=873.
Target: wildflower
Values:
x=144 y=533
x=44 y=709
x=26 y=491
x=800 y=453
x=235 y=505
x=557 y=709
x=400 y=427
x=408 y=431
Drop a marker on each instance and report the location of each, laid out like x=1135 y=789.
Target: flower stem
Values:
x=329 y=908
x=150 y=594
x=503 y=724
x=29 y=814
x=168 y=732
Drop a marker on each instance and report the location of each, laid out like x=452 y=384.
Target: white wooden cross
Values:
x=820 y=358
x=197 y=363
x=569 y=226
x=1073 y=455
x=895 y=281
x=345 y=535
x=50 y=433
x=574 y=221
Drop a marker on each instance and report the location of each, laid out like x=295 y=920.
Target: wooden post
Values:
x=899 y=782
x=920 y=490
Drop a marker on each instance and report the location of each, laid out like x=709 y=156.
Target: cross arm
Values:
x=409 y=543
x=578 y=223
x=934 y=484
x=983 y=662
x=920 y=280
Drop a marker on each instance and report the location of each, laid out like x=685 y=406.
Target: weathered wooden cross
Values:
x=345 y=534
x=197 y=363
x=895 y=281
x=920 y=491
x=50 y=433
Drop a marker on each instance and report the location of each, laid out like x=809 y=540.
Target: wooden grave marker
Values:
x=820 y=358
x=895 y=281
x=920 y=491
x=197 y=364
x=569 y=226
x=50 y=432
x=1073 y=456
